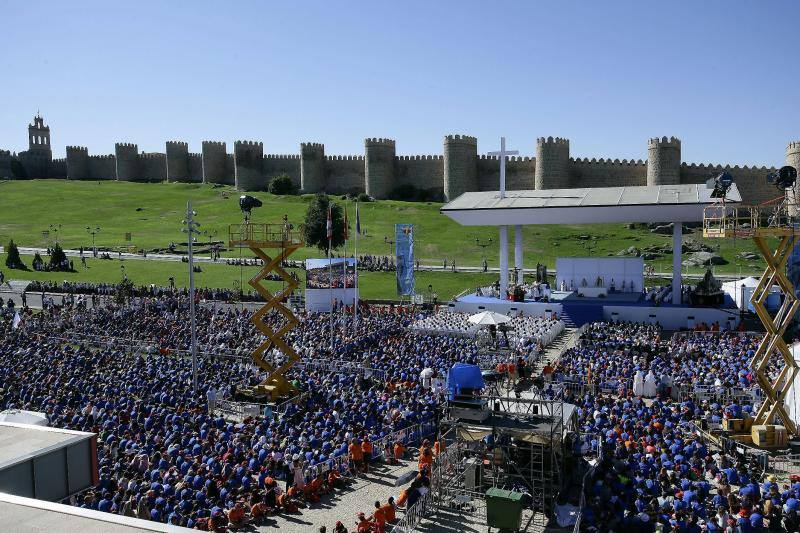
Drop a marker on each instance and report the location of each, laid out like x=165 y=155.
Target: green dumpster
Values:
x=503 y=509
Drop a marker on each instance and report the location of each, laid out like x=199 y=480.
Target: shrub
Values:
x=282 y=185
x=13 y=260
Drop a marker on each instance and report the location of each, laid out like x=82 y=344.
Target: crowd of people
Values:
x=163 y=455
x=218 y=294
x=655 y=472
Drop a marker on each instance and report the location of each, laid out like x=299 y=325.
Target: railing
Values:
x=273 y=233
x=414 y=514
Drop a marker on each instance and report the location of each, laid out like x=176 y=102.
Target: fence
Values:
x=585 y=482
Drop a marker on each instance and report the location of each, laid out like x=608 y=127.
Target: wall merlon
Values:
x=552 y=140
x=663 y=141
x=312 y=145
x=248 y=143
x=213 y=143
x=379 y=140
x=463 y=139
x=178 y=143
x=793 y=147
x=109 y=156
x=281 y=156
x=126 y=145
x=77 y=149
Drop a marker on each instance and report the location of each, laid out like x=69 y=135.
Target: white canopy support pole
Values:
x=677 y=244
x=503 y=261
x=518 y=258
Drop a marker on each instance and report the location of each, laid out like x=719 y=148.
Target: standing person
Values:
x=24 y=300
x=2 y=278
x=356 y=455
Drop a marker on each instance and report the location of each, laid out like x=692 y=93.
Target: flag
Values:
x=329 y=227
x=15 y=323
x=345 y=224
x=358 y=221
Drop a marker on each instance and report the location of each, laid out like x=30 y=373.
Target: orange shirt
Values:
x=379 y=516
x=236 y=514
x=364 y=526
x=389 y=512
x=502 y=368
x=399 y=450
x=366 y=447
x=355 y=452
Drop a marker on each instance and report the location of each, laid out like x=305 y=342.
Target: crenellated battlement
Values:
x=419 y=158
x=344 y=157
x=713 y=167
x=126 y=145
x=103 y=157
x=552 y=140
x=461 y=139
x=281 y=156
x=312 y=145
x=214 y=143
x=152 y=155
x=77 y=149
x=663 y=141
x=793 y=147
x=603 y=161
x=379 y=141
x=178 y=143
x=249 y=143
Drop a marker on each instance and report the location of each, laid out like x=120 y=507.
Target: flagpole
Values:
x=355 y=252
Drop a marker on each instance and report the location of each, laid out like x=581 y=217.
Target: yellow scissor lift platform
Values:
x=760 y=222
x=285 y=240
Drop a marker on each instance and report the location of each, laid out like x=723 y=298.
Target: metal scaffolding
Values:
x=520 y=447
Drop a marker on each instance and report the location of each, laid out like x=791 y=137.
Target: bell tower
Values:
x=39 y=136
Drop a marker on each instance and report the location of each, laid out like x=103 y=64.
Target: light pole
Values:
x=93 y=232
x=55 y=228
x=389 y=242
x=483 y=246
x=191 y=230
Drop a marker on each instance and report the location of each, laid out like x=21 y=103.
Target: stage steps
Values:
x=578 y=314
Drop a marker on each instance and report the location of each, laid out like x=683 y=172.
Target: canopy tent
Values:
x=18 y=416
x=741 y=290
x=489 y=318
x=463 y=377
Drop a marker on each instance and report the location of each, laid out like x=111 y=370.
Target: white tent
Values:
x=740 y=290
x=489 y=318
x=17 y=416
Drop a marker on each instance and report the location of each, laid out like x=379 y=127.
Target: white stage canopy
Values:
x=644 y=204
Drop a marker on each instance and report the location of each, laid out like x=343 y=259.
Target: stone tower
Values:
x=127 y=161
x=663 y=161
x=215 y=162
x=177 y=161
x=460 y=165
x=312 y=167
x=793 y=160
x=77 y=163
x=552 y=163
x=39 y=137
x=379 y=167
x=248 y=159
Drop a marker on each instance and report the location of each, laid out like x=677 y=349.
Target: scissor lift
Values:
x=286 y=240
x=760 y=222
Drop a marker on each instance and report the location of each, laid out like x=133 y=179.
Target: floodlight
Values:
x=247 y=203
x=785 y=178
x=720 y=185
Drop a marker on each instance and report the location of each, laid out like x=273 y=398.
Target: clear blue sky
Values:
x=721 y=75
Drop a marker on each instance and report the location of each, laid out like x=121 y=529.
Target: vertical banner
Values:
x=404 y=246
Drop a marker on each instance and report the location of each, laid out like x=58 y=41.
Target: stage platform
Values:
x=624 y=306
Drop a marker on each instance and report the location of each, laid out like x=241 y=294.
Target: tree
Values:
x=58 y=259
x=316 y=223
x=281 y=184
x=13 y=260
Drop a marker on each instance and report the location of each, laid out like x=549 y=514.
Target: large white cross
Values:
x=502 y=155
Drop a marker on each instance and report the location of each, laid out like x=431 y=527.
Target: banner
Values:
x=404 y=247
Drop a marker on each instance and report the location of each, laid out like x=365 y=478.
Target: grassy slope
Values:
x=374 y=285
x=29 y=207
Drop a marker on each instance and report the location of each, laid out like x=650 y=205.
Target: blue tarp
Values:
x=463 y=376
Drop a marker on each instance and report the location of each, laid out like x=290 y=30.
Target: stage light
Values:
x=784 y=179
x=247 y=203
x=720 y=185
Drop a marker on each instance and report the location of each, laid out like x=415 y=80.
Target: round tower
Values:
x=127 y=161
x=552 y=163
x=460 y=165
x=177 y=161
x=793 y=160
x=664 y=161
x=77 y=163
x=312 y=167
x=248 y=159
x=379 y=157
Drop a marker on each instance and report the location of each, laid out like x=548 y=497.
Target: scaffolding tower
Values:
x=520 y=447
x=285 y=240
x=761 y=222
